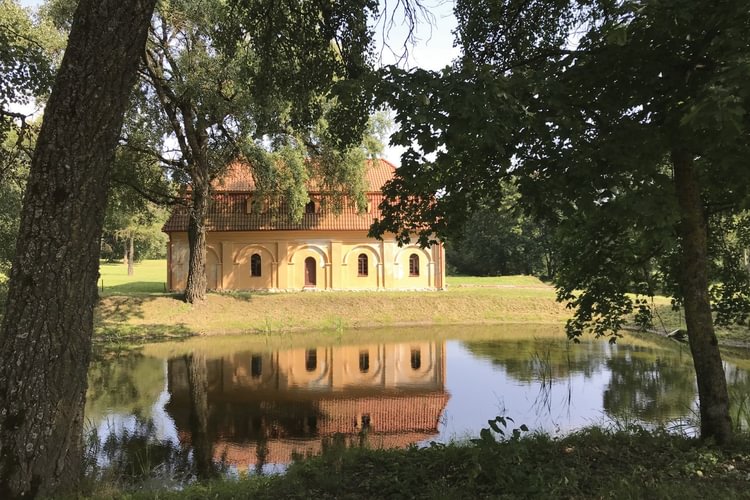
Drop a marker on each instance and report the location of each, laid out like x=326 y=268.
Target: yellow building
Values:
x=251 y=248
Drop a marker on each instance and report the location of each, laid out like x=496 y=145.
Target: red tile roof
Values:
x=228 y=211
x=397 y=421
x=238 y=177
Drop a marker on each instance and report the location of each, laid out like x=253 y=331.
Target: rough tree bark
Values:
x=45 y=341
x=712 y=385
x=197 y=283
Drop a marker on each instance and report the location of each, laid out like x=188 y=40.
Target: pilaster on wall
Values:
x=227 y=265
x=388 y=264
x=328 y=276
x=334 y=264
x=442 y=266
x=285 y=267
x=381 y=266
x=438 y=257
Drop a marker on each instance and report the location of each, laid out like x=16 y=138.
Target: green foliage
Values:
x=12 y=184
x=25 y=66
x=499 y=425
x=29 y=50
x=592 y=463
x=258 y=95
x=730 y=243
x=25 y=72
x=502 y=241
x=130 y=215
x=304 y=51
x=584 y=104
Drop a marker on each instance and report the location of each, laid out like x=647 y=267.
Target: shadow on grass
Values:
x=242 y=295
x=120 y=309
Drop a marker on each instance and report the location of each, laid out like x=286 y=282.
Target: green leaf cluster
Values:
x=584 y=103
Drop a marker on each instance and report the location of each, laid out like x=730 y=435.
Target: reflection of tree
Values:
x=535 y=360
x=236 y=417
x=130 y=384
x=649 y=386
x=198 y=388
x=738 y=383
x=130 y=456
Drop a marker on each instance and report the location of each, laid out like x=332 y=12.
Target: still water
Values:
x=257 y=408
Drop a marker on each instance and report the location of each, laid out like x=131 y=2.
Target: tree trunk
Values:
x=195 y=290
x=202 y=446
x=131 y=254
x=709 y=371
x=45 y=340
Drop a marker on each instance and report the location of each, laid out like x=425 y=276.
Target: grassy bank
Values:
x=131 y=308
x=167 y=316
x=136 y=308
x=589 y=464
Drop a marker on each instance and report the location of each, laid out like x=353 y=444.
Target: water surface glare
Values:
x=256 y=408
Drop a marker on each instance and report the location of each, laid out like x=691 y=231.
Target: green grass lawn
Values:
x=149 y=277
x=517 y=280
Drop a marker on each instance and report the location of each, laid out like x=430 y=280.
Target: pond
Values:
x=255 y=408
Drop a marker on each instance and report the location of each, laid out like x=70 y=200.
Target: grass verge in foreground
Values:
x=589 y=464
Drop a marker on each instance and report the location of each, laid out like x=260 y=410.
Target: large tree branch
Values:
x=168 y=101
x=170 y=163
x=152 y=195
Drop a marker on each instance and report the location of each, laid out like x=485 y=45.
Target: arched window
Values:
x=310 y=207
x=362 y=268
x=256 y=366
x=414 y=265
x=311 y=360
x=364 y=361
x=255 y=267
x=416 y=359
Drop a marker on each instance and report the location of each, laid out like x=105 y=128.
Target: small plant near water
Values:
x=338 y=325
x=499 y=425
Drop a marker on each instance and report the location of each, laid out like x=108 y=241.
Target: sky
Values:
x=433 y=48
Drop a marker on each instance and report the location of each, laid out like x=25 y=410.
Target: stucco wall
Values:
x=283 y=255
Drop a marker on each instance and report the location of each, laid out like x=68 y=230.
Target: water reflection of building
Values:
x=266 y=406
